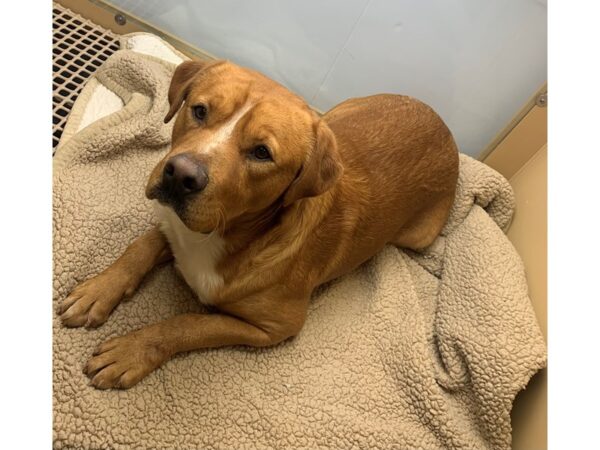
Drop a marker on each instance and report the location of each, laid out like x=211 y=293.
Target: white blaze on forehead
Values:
x=223 y=133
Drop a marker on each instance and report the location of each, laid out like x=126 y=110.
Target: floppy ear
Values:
x=180 y=84
x=320 y=170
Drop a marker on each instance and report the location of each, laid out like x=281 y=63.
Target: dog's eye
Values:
x=261 y=153
x=199 y=112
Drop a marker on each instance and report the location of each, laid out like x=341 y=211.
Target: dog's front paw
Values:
x=91 y=302
x=123 y=361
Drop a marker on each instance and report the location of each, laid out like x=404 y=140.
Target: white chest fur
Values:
x=196 y=254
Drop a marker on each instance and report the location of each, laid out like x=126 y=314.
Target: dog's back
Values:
x=400 y=172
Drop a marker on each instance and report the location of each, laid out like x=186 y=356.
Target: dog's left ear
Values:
x=180 y=83
x=321 y=168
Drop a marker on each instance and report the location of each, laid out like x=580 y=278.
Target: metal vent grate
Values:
x=79 y=47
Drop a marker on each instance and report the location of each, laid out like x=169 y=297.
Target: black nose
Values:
x=183 y=175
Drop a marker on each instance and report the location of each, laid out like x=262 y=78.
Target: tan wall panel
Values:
x=528 y=233
x=526 y=138
x=99 y=15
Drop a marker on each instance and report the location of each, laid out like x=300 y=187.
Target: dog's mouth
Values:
x=180 y=205
x=169 y=198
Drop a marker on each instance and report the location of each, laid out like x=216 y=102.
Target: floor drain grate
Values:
x=79 y=47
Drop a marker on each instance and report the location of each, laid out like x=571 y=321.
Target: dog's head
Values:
x=241 y=144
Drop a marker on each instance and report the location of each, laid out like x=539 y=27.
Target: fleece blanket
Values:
x=411 y=350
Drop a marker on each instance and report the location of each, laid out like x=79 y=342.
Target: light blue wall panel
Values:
x=475 y=61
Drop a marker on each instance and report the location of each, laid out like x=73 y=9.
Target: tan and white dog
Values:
x=260 y=201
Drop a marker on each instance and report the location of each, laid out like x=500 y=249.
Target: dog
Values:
x=259 y=201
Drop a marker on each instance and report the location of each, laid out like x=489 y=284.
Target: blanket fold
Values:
x=410 y=350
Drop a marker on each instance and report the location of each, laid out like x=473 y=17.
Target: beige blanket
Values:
x=408 y=351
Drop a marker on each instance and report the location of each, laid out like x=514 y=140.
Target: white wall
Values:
x=476 y=62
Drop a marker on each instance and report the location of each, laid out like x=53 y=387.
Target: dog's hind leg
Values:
x=422 y=231
x=91 y=302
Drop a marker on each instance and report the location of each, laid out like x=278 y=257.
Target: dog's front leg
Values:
x=91 y=302
x=123 y=361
